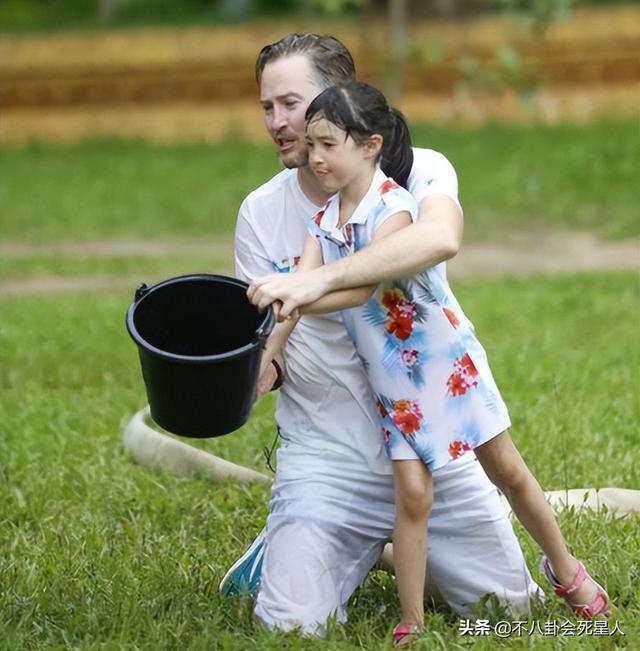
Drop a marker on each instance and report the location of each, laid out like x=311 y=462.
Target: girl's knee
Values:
x=509 y=476
x=502 y=463
x=414 y=501
x=414 y=489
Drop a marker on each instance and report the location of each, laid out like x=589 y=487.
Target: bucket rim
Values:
x=265 y=326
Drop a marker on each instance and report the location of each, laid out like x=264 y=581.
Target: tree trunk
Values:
x=398 y=48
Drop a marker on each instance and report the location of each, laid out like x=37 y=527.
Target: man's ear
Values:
x=374 y=145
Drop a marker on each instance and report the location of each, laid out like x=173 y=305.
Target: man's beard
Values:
x=295 y=160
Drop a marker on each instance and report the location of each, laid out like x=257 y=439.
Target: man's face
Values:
x=287 y=87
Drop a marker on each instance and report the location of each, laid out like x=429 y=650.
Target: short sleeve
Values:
x=394 y=200
x=251 y=258
x=432 y=174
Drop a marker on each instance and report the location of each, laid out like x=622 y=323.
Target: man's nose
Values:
x=278 y=118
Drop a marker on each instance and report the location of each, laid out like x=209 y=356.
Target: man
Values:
x=331 y=510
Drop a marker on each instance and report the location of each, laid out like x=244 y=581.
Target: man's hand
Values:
x=286 y=292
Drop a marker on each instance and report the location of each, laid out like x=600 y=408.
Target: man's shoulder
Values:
x=431 y=174
x=431 y=167
x=425 y=156
x=270 y=190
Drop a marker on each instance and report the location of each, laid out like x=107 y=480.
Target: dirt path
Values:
x=519 y=254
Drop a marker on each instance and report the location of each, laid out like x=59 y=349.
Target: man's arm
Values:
x=273 y=349
x=269 y=290
x=252 y=260
x=434 y=238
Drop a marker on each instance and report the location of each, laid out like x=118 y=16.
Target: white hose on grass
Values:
x=153 y=449
x=158 y=451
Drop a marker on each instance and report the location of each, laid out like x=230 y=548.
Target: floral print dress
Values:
x=435 y=394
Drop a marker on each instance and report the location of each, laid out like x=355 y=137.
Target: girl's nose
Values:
x=314 y=156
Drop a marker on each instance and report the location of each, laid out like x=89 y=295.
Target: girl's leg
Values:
x=413 y=496
x=432 y=594
x=508 y=471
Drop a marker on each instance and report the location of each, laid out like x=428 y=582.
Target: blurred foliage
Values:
x=20 y=15
x=539 y=13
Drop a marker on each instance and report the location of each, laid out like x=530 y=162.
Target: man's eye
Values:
x=291 y=104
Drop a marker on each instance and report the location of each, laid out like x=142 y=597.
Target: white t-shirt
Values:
x=325 y=404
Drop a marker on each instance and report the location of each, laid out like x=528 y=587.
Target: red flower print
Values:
x=410 y=356
x=457 y=385
x=392 y=298
x=389 y=184
x=381 y=408
x=348 y=235
x=451 y=315
x=318 y=218
x=400 y=313
x=468 y=366
x=458 y=448
x=462 y=379
x=407 y=416
x=400 y=327
x=386 y=434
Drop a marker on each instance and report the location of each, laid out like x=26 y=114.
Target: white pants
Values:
x=330 y=519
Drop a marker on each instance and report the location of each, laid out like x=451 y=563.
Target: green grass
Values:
x=567 y=176
x=128 y=189
x=510 y=178
x=97 y=553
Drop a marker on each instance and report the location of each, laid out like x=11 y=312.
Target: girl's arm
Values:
x=345 y=298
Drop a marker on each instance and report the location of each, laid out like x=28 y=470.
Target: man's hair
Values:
x=330 y=60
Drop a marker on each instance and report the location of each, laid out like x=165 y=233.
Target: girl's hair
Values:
x=329 y=58
x=362 y=110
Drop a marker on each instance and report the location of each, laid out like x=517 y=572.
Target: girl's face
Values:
x=336 y=159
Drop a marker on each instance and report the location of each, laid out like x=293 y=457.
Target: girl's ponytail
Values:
x=396 y=158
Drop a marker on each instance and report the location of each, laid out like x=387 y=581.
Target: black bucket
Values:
x=200 y=343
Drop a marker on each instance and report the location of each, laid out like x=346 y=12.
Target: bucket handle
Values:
x=141 y=290
x=267 y=325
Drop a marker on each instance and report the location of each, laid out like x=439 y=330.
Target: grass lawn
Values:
x=510 y=177
x=97 y=553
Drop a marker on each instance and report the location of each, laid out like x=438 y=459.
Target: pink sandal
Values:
x=404 y=633
x=599 y=606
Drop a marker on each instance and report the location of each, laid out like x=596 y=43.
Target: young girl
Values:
x=434 y=390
